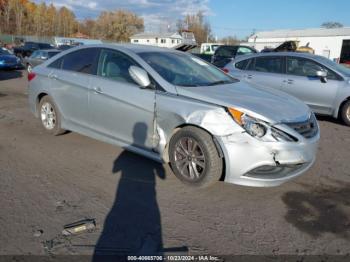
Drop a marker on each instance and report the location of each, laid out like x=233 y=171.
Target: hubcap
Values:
x=48 y=116
x=189 y=158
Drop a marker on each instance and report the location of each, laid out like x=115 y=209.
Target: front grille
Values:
x=307 y=129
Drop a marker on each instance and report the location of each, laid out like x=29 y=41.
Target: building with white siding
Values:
x=333 y=43
x=168 y=40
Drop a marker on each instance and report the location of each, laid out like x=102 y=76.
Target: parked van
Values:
x=209 y=48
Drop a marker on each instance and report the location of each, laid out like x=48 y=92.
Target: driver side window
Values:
x=305 y=67
x=115 y=66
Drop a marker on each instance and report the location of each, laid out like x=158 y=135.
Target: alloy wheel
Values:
x=348 y=113
x=189 y=158
x=48 y=116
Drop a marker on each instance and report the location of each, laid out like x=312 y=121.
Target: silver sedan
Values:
x=321 y=83
x=175 y=108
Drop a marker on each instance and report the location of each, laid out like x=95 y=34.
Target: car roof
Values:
x=295 y=54
x=135 y=48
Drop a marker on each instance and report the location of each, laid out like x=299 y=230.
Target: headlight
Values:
x=258 y=128
x=253 y=126
x=2 y=62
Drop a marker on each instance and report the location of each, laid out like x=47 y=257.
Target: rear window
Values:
x=57 y=64
x=226 y=51
x=242 y=64
x=245 y=51
x=269 y=64
x=82 y=61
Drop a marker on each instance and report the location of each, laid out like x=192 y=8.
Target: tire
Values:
x=345 y=113
x=50 y=117
x=200 y=156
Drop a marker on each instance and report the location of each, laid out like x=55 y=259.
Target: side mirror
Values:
x=140 y=76
x=322 y=75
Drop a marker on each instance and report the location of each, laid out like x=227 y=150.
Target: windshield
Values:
x=4 y=51
x=333 y=65
x=214 y=47
x=185 y=70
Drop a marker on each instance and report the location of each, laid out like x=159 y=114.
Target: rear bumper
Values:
x=251 y=162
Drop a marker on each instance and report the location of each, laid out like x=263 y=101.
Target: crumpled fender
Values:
x=172 y=113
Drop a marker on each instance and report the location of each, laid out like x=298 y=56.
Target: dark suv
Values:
x=28 y=48
x=226 y=53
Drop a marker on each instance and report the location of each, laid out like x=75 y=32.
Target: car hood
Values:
x=8 y=58
x=268 y=104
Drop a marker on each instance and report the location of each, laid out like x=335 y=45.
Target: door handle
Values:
x=98 y=90
x=249 y=76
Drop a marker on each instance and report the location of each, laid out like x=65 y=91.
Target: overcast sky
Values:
x=227 y=17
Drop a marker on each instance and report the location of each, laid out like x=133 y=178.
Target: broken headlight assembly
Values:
x=258 y=128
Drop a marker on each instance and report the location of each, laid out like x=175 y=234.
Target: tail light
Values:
x=31 y=76
x=225 y=70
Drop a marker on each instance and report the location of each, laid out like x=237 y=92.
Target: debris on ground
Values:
x=58 y=241
x=79 y=227
x=38 y=233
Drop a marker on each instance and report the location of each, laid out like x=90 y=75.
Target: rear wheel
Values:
x=194 y=157
x=345 y=113
x=50 y=117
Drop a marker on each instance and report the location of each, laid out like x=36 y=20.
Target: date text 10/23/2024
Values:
x=173 y=258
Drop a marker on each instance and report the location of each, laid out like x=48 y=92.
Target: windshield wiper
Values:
x=221 y=82
x=188 y=85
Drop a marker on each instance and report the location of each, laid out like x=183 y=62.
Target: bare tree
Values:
x=229 y=40
x=198 y=25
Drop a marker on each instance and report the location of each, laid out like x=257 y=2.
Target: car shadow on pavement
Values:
x=133 y=225
x=10 y=74
x=315 y=212
x=329 y=119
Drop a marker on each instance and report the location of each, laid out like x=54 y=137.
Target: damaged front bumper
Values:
x=251 y=162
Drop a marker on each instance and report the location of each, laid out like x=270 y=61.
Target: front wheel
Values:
x=345 y=113
x=50 y=117
x=194 y=157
